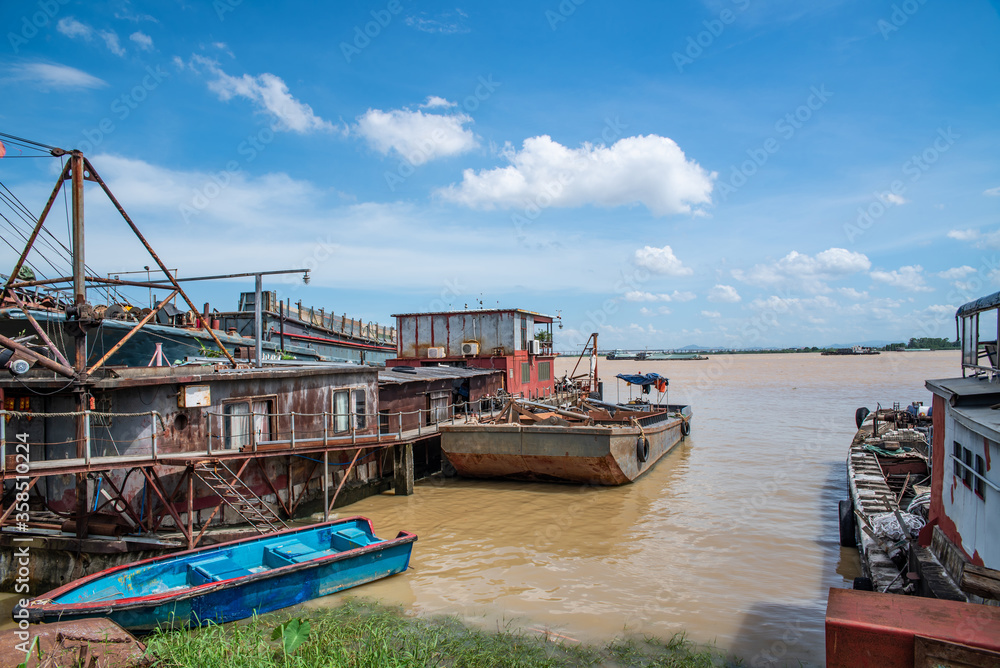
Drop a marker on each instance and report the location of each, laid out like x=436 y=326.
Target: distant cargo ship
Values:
x=855 y=350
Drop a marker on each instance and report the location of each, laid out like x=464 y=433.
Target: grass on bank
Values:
x=363 y=633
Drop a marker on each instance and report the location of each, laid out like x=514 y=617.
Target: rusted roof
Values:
x=539 y=317
x=118 y=377
x=425 y=373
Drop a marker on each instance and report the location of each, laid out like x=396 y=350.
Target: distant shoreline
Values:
x=818 y=351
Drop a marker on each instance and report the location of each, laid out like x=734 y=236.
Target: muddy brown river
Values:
x=731 y=538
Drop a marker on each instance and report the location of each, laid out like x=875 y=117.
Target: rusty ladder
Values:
x=238 y=496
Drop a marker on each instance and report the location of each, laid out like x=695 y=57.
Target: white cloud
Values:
x=55 y=76
x=776 y=304
x=416 y=136
x=70 y=27
x=640 y=296
x=661 y=261
x=436 y=102
x=445 y=23
x=682 y=296
x=711 y=314
x=852 y=293
x=956 y=272
x=907 y=278
x=992 y=192
x=804 y=271
x=964 y=235
x=724 y=293
x=110 y=38
x=648 y=170
x=269 y=93
x=896 y=199
x=144 y=41
x=74 y=29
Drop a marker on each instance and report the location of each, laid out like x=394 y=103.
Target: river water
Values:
x=731 y=538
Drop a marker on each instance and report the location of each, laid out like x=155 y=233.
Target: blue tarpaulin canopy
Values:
x=646 y=380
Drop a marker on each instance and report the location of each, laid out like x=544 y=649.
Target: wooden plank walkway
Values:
x=183 y=459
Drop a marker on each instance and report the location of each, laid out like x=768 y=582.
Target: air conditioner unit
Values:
x=435 y=352
x=534 y=347
x=470 y=348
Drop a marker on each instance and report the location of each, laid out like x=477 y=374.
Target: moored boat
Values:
x=229 y=581
x=887 y=477
x=609 y=444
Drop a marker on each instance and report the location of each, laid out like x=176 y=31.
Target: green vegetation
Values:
x=367 y=634
x=932 y=343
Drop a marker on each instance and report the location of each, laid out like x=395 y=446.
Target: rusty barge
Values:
x=606 y=445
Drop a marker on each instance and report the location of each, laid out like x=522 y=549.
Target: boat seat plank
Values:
x=285 y=554
x=215 y=569
x=351 y=538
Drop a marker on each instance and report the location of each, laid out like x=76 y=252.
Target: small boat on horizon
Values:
x=659 y=356
x=230 y=581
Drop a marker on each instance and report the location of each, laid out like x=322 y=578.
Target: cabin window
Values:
x=981 y=470
x=236 y=424
x=248 y=421
x=970 y=468
x=544 y=370
x=967 y=475
x=341 y=411
x=524 y=332
x=525 y=372
x=360 y=408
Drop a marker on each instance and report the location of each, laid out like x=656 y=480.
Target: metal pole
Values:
x=293 y=429
x=326 y=477
x=208 y=430
x=86 y=456
x=152 y=420
x=80 y=361
x=258 y=318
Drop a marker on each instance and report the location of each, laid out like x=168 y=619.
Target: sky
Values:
x=731 y=173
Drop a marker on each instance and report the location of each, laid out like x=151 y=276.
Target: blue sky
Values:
x=728 y=172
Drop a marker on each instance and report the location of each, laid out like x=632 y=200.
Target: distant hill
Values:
x=866 y=344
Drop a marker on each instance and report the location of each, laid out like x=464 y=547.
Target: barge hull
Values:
x=576 y=454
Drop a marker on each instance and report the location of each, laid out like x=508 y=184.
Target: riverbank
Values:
x=361 y=632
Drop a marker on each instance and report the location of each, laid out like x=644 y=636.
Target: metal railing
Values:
x=300 y=430
x=318 y=429
x=974 y=472
x=89 y=455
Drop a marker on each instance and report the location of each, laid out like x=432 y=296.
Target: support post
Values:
x=326 y=480
x=258 y=320
x=190 y=508
x=402 y=468
x=153 y=415
x=80 y=361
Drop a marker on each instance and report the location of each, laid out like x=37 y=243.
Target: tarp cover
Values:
x=646 y=380
x=982 y=304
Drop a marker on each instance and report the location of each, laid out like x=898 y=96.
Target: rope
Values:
x=29 y=414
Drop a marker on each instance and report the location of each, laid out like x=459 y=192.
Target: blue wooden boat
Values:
x=230 y=581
